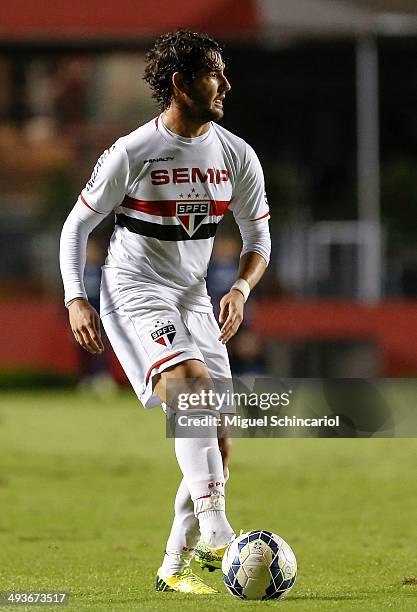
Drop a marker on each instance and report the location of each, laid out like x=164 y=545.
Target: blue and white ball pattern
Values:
x=259 y=565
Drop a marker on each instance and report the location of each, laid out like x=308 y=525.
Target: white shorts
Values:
x=152 y=339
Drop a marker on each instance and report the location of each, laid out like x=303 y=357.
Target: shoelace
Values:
x=188 y=573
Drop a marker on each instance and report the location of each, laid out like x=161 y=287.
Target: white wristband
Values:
x=243 y=286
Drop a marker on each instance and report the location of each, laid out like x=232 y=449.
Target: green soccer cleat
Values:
x=186 y=582
x=207 y=557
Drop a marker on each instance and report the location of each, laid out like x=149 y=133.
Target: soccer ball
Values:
x=259 y=565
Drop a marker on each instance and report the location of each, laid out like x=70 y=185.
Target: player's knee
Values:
x=199 y=386
x=193 y=369
x=195 y=393
x=187 y=385
x=188 y=369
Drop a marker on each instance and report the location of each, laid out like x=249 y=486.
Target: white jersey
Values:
x=168 y=194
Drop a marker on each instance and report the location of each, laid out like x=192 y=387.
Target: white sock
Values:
x=184 y=535
x=215 y=528
x=201 y=463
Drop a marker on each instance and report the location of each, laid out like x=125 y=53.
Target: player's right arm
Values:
x=104 y=191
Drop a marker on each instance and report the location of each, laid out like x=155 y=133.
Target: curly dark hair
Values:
x=182 y=51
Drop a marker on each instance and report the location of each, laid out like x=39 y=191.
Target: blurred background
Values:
x=326 y=93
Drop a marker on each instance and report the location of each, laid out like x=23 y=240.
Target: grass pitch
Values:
x=86 y=494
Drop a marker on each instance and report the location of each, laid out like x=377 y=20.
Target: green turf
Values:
x=86 y=492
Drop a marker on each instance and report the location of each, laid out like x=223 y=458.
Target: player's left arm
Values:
x=251 y=269
x=250 y=209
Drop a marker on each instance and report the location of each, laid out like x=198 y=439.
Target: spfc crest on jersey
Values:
x=164 y=333
x=192 y=214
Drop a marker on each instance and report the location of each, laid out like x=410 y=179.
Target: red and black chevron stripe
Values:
x=165 y=232
x=168 y=208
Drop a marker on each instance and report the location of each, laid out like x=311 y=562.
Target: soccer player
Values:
x=169 y=184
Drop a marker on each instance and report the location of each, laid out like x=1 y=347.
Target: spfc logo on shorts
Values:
x=164 y=333
x=192 y=214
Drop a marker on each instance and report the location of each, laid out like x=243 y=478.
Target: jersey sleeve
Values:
x=103 y=192
x=250 y=207
x=108 y=183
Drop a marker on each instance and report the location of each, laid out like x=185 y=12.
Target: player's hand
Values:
x=85 y=325
x=231 y=314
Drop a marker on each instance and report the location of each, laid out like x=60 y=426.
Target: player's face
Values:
x=207 y=93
